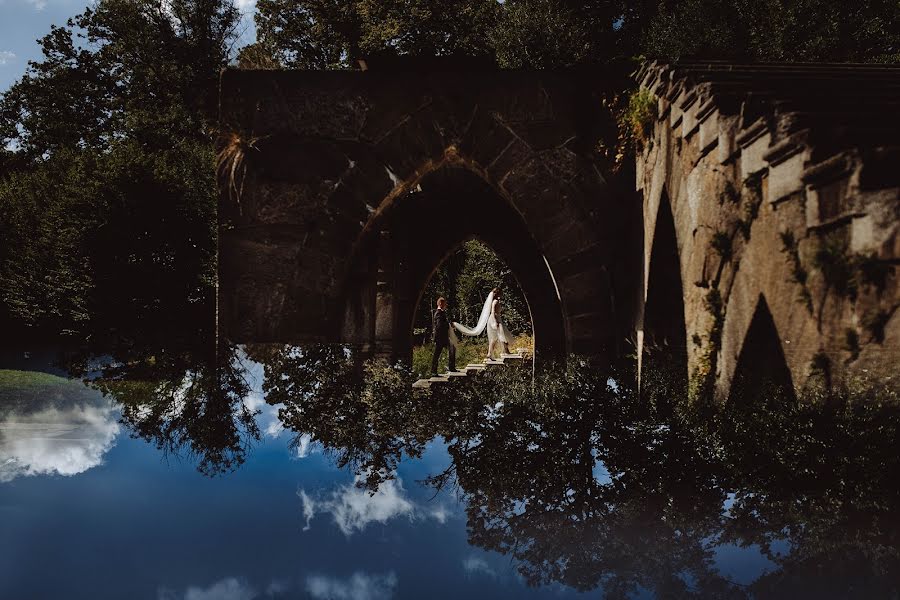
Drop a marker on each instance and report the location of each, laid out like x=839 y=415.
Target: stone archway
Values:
x=318 y=241
x=408 y=240
x=664 y=340
x=761 y=365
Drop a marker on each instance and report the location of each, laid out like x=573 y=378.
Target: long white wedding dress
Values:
x=497 y=331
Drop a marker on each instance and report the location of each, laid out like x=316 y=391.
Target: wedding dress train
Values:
x=496 y=331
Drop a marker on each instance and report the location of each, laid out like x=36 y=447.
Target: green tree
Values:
x=327 y=34
x=776 y=30
x=332 y=34
x=545 y=34
x=111 y=203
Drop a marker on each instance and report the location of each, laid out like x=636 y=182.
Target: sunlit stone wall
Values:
x=783 y=185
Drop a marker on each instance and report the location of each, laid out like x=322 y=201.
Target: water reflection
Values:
x=570 y=472
x=593 y=485
x=51 y=426
x=185 y=406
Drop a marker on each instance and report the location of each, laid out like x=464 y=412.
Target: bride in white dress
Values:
x=491 y=319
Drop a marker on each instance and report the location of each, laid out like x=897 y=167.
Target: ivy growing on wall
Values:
x=747 y=200
x=791 y=246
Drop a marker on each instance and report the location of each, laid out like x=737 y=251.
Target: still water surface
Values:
x=493 y=491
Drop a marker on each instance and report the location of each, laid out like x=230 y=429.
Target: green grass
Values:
x=22 y=380
x=25 y=389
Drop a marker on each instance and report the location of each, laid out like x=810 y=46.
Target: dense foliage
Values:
x=108 y=209
x=315 y=34
x=776 y=30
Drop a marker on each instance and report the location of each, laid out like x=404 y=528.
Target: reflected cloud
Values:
x=475 y=565
x=56 y=440
x=359 y=586
x=353 y=508
x=305 y=446
x=229 y=588
x=254 y=375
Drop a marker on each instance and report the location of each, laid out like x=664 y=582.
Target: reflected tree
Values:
x=186 y=404
x=817 y=476
x=585 y=482
x=363 y=413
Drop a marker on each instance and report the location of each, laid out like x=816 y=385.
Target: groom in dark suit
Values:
x=442 y=337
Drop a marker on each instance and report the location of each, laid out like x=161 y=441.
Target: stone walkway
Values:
x=470 y=369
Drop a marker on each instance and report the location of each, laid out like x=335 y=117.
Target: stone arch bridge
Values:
x=343 y=192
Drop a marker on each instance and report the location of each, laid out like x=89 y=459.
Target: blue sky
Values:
x=22 y=22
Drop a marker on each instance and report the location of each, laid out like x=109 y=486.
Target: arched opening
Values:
x=761 y=372
x=464 y=278
x=665 y=338
x=422 y=228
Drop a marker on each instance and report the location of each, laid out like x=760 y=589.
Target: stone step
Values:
x=470 y=369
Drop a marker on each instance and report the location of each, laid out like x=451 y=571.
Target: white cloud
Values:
x=309 y=508
x=439 y=514
x=64 y=441
x=38 y=4
x=226 y=589
x=359 y=586
x=353 y=508
x=305 y=447
x=245 y=5
x=474 y=565
x=277 y=587
x=6 y=57
x=267 y=419
x=229 y=588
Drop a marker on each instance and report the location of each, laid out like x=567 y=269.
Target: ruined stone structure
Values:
x=346 y=190
x=771 y=203
x=766 y=207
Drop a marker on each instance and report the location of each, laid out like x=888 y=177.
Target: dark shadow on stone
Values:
x=762 y=371
x=665 y=338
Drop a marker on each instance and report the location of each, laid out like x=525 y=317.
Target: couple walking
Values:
x=445 y=333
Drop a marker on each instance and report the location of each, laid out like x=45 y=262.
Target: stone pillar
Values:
x=385 y=302
x=358 y=327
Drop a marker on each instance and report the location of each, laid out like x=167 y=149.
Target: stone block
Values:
x=514 y=157
x=753 y=148
x=406 y=148
x=727 y=147
x=709 y=132
x=786 y=175
x=485 y=139
x=862 y=235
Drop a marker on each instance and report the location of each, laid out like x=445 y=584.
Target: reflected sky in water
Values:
x=107 y=496
x=89 y=512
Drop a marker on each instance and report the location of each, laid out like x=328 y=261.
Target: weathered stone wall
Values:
x=783 y=184
x=324 y=233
